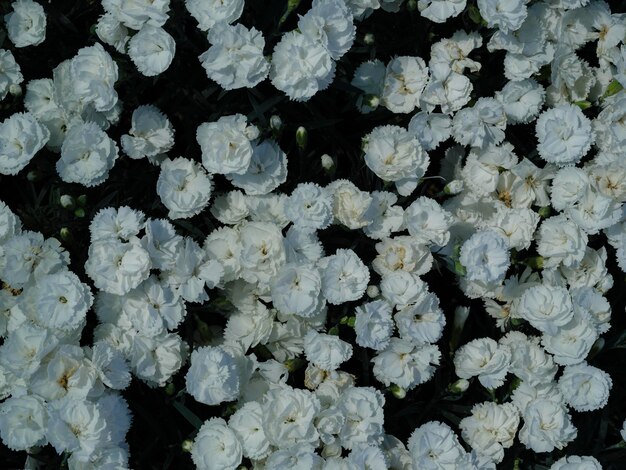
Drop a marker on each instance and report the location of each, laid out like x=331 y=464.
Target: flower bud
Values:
x=453 y=187
x=411 y=5
x=373 y=291
x=80 y=212
x=65 y=234
x=302 y=137
x=66 y=201
x=170 y=389
x=369 y=39
x=397 y=391
x=187 y=445
x=32 y=175
x=82 y=200
x=544 y=211
x=276 y=123
x=15 y=90
x=327 y=162
x=372 y=101
x=459 y=386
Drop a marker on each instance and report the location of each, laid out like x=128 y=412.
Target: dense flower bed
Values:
x=338 y=234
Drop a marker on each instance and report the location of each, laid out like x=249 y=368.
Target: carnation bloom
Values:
x=309 y=207
x=184 y=187
x=428 y=222
x=296 y=289
x=485 y=256
x=561 y=242
x=213 y=377
x=564 y=135
x=406 y=364
x=23 y=422
x=235 y=58
x=484 y=358
x=151 y=50
x=344 y=277
x=211 y=12
x=373 y=324
x=330 y=23
x=10 y=73
x=21 y=137
x=247 y=422
x=404 y=82
x=584 y=387
x=363 y=410
x=394 y=154
x=93 y=73
x=26 y=24
x=151 y=133
x=267 y=169
x=434 y=445
x=547 y=426
x=546 y=307
x=327 y=352
x=301 y=66
x=87 y=155
x=216 y=446
x=480 y=125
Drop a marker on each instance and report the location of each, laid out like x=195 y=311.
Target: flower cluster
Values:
x=527 y=230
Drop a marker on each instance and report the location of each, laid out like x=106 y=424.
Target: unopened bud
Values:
x=373 y=291
x=15 y=90
x=544 y=211
x=302 y=137
x=65 y=234
x=80 y=212
x=170 y=389
x=276 y=123
x=411 y=5
x=371 y=100
x=187 y=445
x=369 y=39
x=397 y=391
x=453 y=187
x=459 y=386
x=66 y=201
x=327 y=162
x=32 y=175
x=82 y=200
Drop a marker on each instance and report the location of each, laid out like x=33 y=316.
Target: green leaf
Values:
x=188 y=414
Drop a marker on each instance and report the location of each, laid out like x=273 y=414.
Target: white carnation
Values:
x=26 y=24
x=184 y=187
x=564 y=134
x=213 y=377
x=152 y=50
x=21 y=137
x=216 y=447
x=344 y=277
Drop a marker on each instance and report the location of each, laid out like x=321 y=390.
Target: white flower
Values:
x=344 y=277
x=213 y=377
x=434 y=446
x=309 y=207
x=547 y=426
x=216 y=447
x=247 y=422
x=428 y=222
x=517 y=225
x=296 y=290
x=573 y=341
x=564 y=134
x=327 y=352
x=506 y=15
x=329 y=22
x=561 y=241
x=484 y=358
x=184 y=187
x=75 y=425
x=21 y=137
x=351 y=206
x=431 y=129
x=10 y=224
x=301 y=66
x=406 y=364
x=522 y=100
x=223 y=245
x=152 y=50
x=123 y=223
x=288 y=417
x=61 y=301
x=10 y=73
x=373 y=324
x=402 y=253
x=267 y=169
x=136 y=13
x=394 y=154
x=151 y=133
x=440 y=10
x=24 y=349
x=422 y=322
x=262 y=251
x=584 y=462
x=93 y=73
x=584 y=387
x=294 y=457
x=26 y=24
x=117 y=267
x=529 y=361
x=192 y=271
x=155 y=360
x=23 y=422
x=404 y=82
x=546 y=307
x=235 y=58
x=491 y=428
x=480 y=125
x=485 y=256
x=568 y=186
x=363 y=410
x=87 y=155
x=401 y=288
x=161 y=242
x=209 y=13
x=112 y=32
